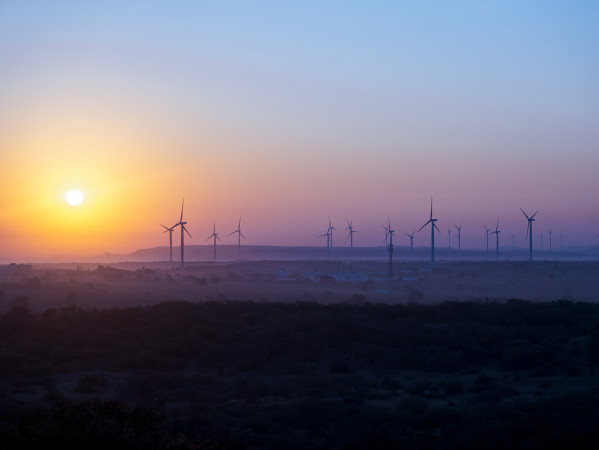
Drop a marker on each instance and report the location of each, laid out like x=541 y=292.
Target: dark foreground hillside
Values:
x=302 y=375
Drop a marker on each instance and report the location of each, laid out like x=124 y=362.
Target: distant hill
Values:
x=225 y=253
x=266 y=252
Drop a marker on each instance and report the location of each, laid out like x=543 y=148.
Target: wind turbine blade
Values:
x=431 y=207
x=209 y=237
x=182 y=203
x=233 y=232
x=241 y=234
x=424 y=225
x=525 y=215
x=435 y=225
x=186 y=231
x=216 y=236
x=533 y=216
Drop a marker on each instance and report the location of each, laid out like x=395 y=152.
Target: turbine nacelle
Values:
x=350 y=227
x=214 y=233
x=238 y=230
x=431 y=221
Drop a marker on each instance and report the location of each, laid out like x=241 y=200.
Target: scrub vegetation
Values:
x=242 y=374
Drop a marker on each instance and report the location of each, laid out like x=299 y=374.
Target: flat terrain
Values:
x=135 y=284
x=300 y=354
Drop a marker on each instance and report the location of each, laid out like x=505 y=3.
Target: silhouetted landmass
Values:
x=302 y=375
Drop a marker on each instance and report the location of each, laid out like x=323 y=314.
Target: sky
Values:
x=288 y=113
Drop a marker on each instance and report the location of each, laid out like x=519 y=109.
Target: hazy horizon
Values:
x=288 y=114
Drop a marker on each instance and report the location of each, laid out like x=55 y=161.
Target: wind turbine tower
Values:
x=170 y=239
x=448 y=237
x=330 y=231
x=487 y=235
x=541 y=236
x=350 y=236
x=239 y=236
x=215 y=236
x=530 y=219
x=496 y=233
x=433 y=226
x=390 y=248
x=183 y=229
x=459 y=236
x=550 y=231
x=411 y=236
x=328 y=235
x=386 y=235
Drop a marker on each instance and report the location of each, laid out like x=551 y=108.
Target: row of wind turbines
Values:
x=389 y=233
x=214 y=236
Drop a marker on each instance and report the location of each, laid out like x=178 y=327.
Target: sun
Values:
x=74 y=197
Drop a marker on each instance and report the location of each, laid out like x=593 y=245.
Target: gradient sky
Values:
x=287 y=113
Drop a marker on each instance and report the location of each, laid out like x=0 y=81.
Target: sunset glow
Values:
x=287 y=115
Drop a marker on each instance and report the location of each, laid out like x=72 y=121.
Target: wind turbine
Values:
x=530 y=219
x=330 y=231
x=541 y=236
x=386 y=235
x=433 y=226
x=487 y=235
x=496 y=233
x=550 y=231
x=239 y=236
x=183 y=229
x=170 y=239
x=459 y=236
x=513 y=241
x=215 y=236
x=328 y=235
x=390 y=248
x=411 y=236
x=350 y=236
x=448 y=237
